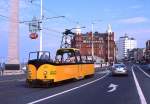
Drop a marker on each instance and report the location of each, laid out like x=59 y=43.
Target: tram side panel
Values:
x=88 y=69
x=64 y=72
x=46 y=72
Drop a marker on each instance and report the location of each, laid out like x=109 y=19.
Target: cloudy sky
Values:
x=131 y=17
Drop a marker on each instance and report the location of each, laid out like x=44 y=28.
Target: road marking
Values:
x=143 y=71
x=103 y=72
x=141 y=95
x=66 y=91
x=113 y=86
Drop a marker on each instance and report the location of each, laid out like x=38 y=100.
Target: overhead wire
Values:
x=48 y=29
x=26 y=23
x=4 y=9
x=56 y=14
x=4 y=16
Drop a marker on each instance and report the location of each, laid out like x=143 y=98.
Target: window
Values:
x=44 y=55
x=33 y=55
x=39 y=55
x=77 y=53
x=65 y=57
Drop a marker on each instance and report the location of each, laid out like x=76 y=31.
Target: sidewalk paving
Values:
x=12 y=77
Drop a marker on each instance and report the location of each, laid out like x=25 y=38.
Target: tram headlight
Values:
x=45 y=72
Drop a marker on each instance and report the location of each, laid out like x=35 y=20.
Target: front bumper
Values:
x=39 y=81
x=119 y=73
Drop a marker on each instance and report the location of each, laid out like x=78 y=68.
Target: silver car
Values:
x=119 y=69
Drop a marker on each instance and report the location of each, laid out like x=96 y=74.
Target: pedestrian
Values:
x=0 y=68
x=3 y=68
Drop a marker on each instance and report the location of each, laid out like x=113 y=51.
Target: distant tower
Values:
x=109 y=30
x=78 y=29
x=13 y=42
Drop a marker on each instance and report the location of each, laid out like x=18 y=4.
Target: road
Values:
x=131 y=89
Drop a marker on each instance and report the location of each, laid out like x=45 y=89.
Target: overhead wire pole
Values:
x=41 y=23
x=93 y=37
x=108 y=47
x=108 y=42
x=41 y=31
x=92 y=40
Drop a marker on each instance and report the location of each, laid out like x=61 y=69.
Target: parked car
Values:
x=119 y=69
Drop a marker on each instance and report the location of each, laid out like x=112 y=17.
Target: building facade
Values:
x=137 y=55
x=125 y=44
x=103 y=45
x=147 y=51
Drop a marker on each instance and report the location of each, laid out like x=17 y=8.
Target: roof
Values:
x=73 y=49
x=96 y=34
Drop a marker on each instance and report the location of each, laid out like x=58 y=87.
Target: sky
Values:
x=130 y=17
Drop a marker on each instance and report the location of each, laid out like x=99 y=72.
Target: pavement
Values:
x=103 y=88
x=12 y=72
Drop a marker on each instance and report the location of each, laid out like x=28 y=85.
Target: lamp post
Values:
x=108 y=47
x=92 y=40
x=109 y=31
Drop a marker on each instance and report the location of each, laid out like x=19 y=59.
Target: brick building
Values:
x=148 y=45
x=101 y=42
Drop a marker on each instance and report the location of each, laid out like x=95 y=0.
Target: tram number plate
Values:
x=52 y=72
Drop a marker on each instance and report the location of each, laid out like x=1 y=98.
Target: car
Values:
x=119 y=69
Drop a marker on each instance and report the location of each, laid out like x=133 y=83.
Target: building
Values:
x=136 y=55
x=148 y=45
x=101 y=42
x=147 y=51
x=125 y=44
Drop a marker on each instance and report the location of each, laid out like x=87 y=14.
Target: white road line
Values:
x=143 y=71
x=66 y=91
x=103 y=72
x=141 y=95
